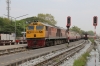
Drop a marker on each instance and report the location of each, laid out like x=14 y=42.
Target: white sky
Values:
x=81 y=11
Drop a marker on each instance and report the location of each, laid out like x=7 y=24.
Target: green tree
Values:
x=8 y=26
x=1 y=21
x=83 y=32
x=5 y=25
x=48 y=18
x=45 y=18
x=90 y=32
x=20 y=25
x=76 y=29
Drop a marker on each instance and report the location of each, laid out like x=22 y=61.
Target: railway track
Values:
x=55 y=58
x=21 y=57
x=60 y=58
x=18 y=49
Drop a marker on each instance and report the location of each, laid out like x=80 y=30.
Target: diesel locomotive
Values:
x=39 y=34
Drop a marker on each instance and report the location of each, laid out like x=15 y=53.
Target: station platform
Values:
x=12 y=46
x=9 y=49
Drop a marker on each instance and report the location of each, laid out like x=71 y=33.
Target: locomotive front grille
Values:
x=35 y=42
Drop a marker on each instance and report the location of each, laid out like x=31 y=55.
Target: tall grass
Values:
x=81 y=61
x=91 y=39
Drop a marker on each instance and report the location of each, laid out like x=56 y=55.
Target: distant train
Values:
x=39 y=34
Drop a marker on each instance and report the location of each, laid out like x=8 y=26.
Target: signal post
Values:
x=68 y=26
x=95 y=20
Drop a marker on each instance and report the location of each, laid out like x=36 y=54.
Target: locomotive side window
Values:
x=46 y=28
x=50 y=31
x=39 y=27
x=30 y=27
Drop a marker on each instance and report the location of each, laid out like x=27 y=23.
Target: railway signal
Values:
x=95 y=18
x=68 y=26
x=95 y=21
x=68 y=22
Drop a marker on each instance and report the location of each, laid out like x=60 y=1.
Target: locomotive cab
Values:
x=35 y=33
x=35 y=30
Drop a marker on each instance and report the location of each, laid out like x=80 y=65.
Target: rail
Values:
x=59 y=58
x=31 y=58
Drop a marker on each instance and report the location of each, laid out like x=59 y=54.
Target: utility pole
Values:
x=8 y=8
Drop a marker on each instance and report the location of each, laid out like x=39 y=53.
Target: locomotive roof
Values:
x=47 y=24
x=59 y=27
x=52 y=26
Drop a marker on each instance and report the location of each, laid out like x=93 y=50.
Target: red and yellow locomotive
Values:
x=39 y=34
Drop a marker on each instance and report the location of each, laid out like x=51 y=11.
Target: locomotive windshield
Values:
x=39 y=27
x=30 y=27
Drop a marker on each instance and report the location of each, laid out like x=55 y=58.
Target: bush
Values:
x=81 y=61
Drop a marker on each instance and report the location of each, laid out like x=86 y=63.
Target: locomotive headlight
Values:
x=40 y=31
x=28 y=32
